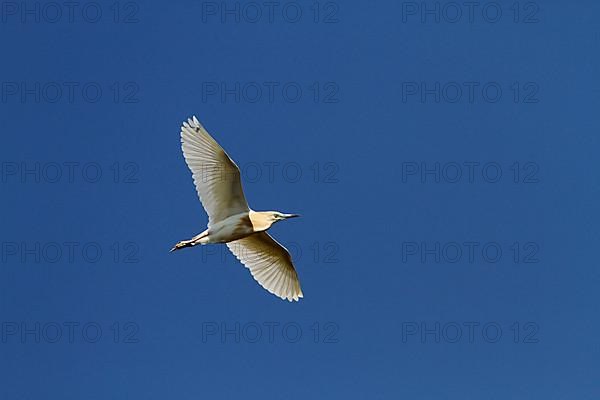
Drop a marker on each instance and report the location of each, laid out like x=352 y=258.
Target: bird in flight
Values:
x=230 y=219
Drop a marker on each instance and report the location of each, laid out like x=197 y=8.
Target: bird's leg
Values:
x=200 y=238
x=182 y=244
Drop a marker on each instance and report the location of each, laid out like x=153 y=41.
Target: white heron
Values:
x=230 y=219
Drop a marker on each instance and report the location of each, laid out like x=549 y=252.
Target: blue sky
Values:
x=443 y=158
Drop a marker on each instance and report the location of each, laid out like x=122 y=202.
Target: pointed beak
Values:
x=291 y=215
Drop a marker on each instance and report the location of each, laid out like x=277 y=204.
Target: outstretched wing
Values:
x=216 y=176
x=269 y=263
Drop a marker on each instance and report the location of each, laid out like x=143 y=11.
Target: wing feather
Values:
x=269 y=263
x=216 y=176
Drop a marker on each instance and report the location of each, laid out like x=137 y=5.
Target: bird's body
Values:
x=235 y=227
x=231 y=228
x=231 y=220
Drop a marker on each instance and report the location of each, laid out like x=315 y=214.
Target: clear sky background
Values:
x=446 y=173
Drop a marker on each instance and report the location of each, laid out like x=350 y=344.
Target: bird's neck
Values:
x=261 y=221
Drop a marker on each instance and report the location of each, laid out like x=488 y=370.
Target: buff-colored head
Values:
x=277 y=216
x=263 y=220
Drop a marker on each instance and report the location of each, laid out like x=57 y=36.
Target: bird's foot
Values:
x=180 y=245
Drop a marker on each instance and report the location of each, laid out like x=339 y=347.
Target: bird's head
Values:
x=263 y=220
x=277 y=216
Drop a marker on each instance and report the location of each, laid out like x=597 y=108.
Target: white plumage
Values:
x=230 y=220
